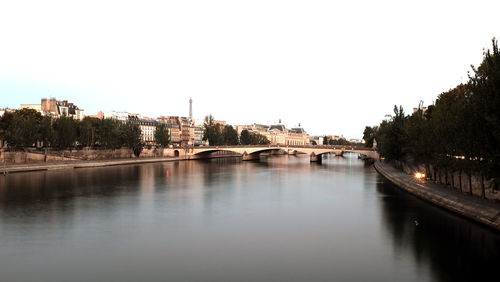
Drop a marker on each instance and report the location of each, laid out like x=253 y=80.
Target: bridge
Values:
x=253 y=152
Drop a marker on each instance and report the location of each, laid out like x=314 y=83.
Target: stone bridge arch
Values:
x=253 y=152
x=209 y=151
x=247 y=153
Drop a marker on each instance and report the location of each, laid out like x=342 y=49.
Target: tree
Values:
x=65 y=132
x=21 y=128
x=420 y=140
x=108 y=134
x=5 y=122
x=245 y=138
x=229 y=136
x=253 y=138
x=461 y=131
x=162 y=135
x=259 y=139
x=484 y=86
x=212 y=131
x=391 y=136
x=130 y=137
x=87 y=131
x=340 y=141
x=369 y=135
x=46 y=131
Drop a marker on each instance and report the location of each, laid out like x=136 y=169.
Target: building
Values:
x=278 y=134
x=121 y=116
x=297 y=137
x=36 y=107
x=198 y=136
x=187 y=135
x=6 y=110
x=175 y=133
x=278 y=127
x=424 y=109
x=187 y=131
x=317 y=139
x=147 y=126
x=55 y=108
x=257 y=128
x=354 y=140
x=275 y=136
x=148 y=130
x=174 y=126
x=220 y=122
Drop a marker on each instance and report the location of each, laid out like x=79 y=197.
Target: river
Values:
x=279 y=219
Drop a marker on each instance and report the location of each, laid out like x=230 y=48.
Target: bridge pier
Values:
x=277 y=152
x=250 y=157
x=252 y=152
x=315 y=158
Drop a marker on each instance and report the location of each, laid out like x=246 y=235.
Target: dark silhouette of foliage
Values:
x=130 y=136
x=253 y=138
x=65 y=132
x=162 y=136
x=46 y=131
x=21 y=128
x=369 y=135
x=259 y=139
x=108 y=135
x=212 y=131
x=229 y=136
x=87 y=131
x=245 y=137
x=460 y=131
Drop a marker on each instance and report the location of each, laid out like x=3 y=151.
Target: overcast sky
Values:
x=333 y=66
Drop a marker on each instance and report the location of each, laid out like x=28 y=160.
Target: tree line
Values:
x=459 y=132
x=26 y=127
x=341 y=141
x=218 y=135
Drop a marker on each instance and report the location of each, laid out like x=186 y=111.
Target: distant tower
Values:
x=190 y=109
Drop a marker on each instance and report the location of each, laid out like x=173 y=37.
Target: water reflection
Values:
x=280 y=218
x=454 y=248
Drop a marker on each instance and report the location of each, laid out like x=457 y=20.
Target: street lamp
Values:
x=419 y=175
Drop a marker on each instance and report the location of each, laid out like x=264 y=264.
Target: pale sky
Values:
x=333 y=66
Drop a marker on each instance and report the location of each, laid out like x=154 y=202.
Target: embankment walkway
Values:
x=80 y=164
x=472 y=207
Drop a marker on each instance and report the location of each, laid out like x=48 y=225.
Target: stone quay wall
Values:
x=480 y=210
x=32 y=157
x=455 y=180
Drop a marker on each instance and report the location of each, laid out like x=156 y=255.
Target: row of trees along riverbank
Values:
x=26 y=127
x=216 y=135
x=460 y=132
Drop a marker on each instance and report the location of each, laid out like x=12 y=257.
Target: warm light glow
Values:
x=419 y=175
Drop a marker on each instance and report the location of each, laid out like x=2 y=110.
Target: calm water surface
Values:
x=279 y=219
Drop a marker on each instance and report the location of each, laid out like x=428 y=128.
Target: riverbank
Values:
x=73 y=164
x=482 y=211
x=80 y=164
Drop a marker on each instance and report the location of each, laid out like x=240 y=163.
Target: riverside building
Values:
x=278 y=134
